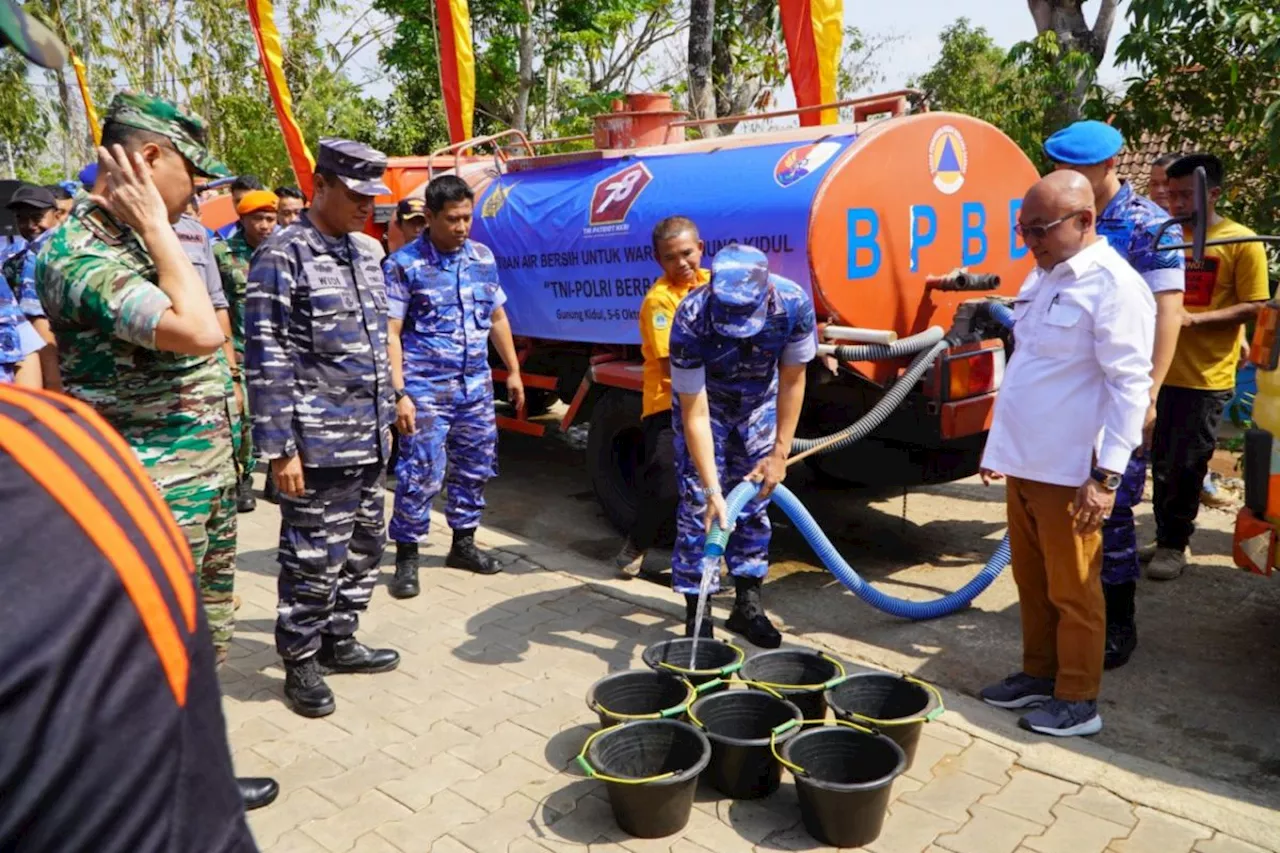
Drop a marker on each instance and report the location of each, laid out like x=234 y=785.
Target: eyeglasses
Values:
x=1039 y=232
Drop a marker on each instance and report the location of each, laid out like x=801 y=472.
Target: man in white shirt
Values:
x=1070 y=413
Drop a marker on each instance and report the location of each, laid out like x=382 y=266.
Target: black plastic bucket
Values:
x=897 y=707
x=650 y=768
x=738 y=724
x=716 y=659
x=843 y=777
x=639 y=694
x=800 y=675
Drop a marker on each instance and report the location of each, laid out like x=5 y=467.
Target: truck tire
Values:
x=615 y=454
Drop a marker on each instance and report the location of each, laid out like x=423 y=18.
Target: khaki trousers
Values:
x=1058 y=573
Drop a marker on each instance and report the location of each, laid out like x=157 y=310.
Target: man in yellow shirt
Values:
x=678 y=250
x=1224 y=292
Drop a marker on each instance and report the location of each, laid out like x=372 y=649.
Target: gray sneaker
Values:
x=1060 y=718
x=1147 y=552
x=1167 y=564
x=629 y=559
x=1018 y=691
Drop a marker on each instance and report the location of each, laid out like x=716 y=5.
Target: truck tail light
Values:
x=972 y=374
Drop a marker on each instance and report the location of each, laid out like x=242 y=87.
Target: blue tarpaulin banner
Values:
x=573 y=242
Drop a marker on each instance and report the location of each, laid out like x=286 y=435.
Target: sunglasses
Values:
x=1039 y=232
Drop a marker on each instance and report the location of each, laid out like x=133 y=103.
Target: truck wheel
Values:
x=615 y=455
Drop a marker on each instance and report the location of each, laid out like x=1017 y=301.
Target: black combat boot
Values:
x=747 y=617
x=245 y=501
x=304 y=689
x=257 y=791
x=405 y=583
x=1122 y=627
x=465 y=555
x=690 y=616
x=347 y=654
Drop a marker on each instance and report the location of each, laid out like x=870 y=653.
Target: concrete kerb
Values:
x=1217 y=805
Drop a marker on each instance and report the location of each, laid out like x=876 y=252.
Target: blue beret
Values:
x=1084 y=143
x=88 y=175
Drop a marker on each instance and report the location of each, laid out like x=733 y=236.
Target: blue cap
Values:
x=88 y=176
x=1085 y=143
x=739 y=291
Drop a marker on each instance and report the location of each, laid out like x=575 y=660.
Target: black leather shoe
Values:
x=1122 y=639
x=465 y=555
x=304 y=689
x=257 y=791
x=245 y=501
x=405 y=582
x=347 y=654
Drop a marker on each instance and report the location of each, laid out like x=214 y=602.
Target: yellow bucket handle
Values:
x=708 y=685
x=905 y=721
x=826 y=685
x=791 y=724
x=667 y=713
x=727 y=669
x=592 y=773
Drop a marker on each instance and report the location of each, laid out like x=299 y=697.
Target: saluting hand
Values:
x=130 y=194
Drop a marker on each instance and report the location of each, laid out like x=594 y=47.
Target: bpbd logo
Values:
x=802 y=161
x=948 y=159
x=615 y=195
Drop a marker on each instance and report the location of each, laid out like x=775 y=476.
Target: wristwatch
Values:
x=710 y=491
x=1109 y=481
x=400 y=394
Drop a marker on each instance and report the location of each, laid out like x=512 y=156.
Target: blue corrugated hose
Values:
x=838 y=566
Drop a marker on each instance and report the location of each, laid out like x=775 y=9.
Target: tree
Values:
x=1080 y=49
x=1208 y=78
x=702 y=16
x=23 y=125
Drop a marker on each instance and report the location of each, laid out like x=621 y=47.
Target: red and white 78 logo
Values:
x=614 y=196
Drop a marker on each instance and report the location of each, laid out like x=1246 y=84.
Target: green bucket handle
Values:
x=827 y=685
x=727 y=669
x=791 y=724
x=594 y=774
x=665 y=714
x=927 y=718
x=710 y=684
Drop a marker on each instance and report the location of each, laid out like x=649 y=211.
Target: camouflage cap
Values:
x=739 y=288
x=29 y=37
x=159 y=116
x=356 y=165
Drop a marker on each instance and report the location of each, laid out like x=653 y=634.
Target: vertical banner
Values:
x=457 y=66
x=262 y=15
x=90 y=114
x=813 y=30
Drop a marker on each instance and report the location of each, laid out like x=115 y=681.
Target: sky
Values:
x=917 y=22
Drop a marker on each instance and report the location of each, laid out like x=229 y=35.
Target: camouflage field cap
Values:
x=739 y=291
x=158 y=116
x=29 y=37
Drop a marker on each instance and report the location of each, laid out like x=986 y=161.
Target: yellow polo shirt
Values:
x=657 y=313
x=1206 y=359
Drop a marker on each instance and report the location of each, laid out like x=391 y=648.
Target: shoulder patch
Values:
x=661 y=320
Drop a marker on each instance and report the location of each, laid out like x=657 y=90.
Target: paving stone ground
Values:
x=468 y=747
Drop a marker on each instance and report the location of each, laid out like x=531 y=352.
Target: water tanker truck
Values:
x=894 y=223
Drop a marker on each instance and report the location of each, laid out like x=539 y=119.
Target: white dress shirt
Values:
x=1079 y=380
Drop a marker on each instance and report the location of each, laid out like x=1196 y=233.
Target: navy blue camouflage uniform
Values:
x=20 y=272
x=1130 y=222
x=446 y=302
x=734 y=358
x=18 y=338
x=320 y=386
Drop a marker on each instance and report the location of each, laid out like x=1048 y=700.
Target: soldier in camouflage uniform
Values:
x=320 y=393
x=19 y=343
x=137 y=335
x=257 y=210
x=739 y=346
x=446 y=305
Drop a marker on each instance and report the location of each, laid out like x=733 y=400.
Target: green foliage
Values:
x=23 y=125
x=1022 y=91
x=1208 y=78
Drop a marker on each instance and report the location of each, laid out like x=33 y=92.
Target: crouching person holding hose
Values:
x=1069 y=414
x=739 y=347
